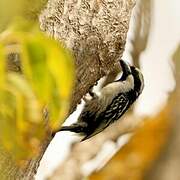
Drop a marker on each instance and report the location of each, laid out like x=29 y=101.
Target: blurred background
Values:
x=152 y=150
x=143 y=145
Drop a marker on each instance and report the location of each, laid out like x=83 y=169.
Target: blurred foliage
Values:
x=9 y=10
x=42 y=84
x=176 y=58
x=141 y=29
x=132 y=161
x=136 y=158
x=167 y=165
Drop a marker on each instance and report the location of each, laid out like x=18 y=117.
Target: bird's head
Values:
x=138 y=79
x=128 y=71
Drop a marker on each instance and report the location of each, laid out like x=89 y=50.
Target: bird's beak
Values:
x=125 y=68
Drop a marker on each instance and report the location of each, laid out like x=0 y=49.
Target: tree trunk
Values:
x=95 y=31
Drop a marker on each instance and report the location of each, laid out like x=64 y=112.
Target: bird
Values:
x=114 y=100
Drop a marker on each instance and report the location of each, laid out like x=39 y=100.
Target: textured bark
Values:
x=9 y=170
x=95 y=31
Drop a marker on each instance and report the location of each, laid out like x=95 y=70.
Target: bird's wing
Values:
x=116 y=109
x=113 y=112
x=89 y=112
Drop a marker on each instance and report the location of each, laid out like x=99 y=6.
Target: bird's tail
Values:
x=76 y=128
x=73 y=128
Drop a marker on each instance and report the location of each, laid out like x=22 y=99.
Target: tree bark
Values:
x=95 y=31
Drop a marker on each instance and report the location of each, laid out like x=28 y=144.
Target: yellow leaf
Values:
x=45 y=82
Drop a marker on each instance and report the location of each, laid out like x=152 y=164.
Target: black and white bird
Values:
x=114 y=100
